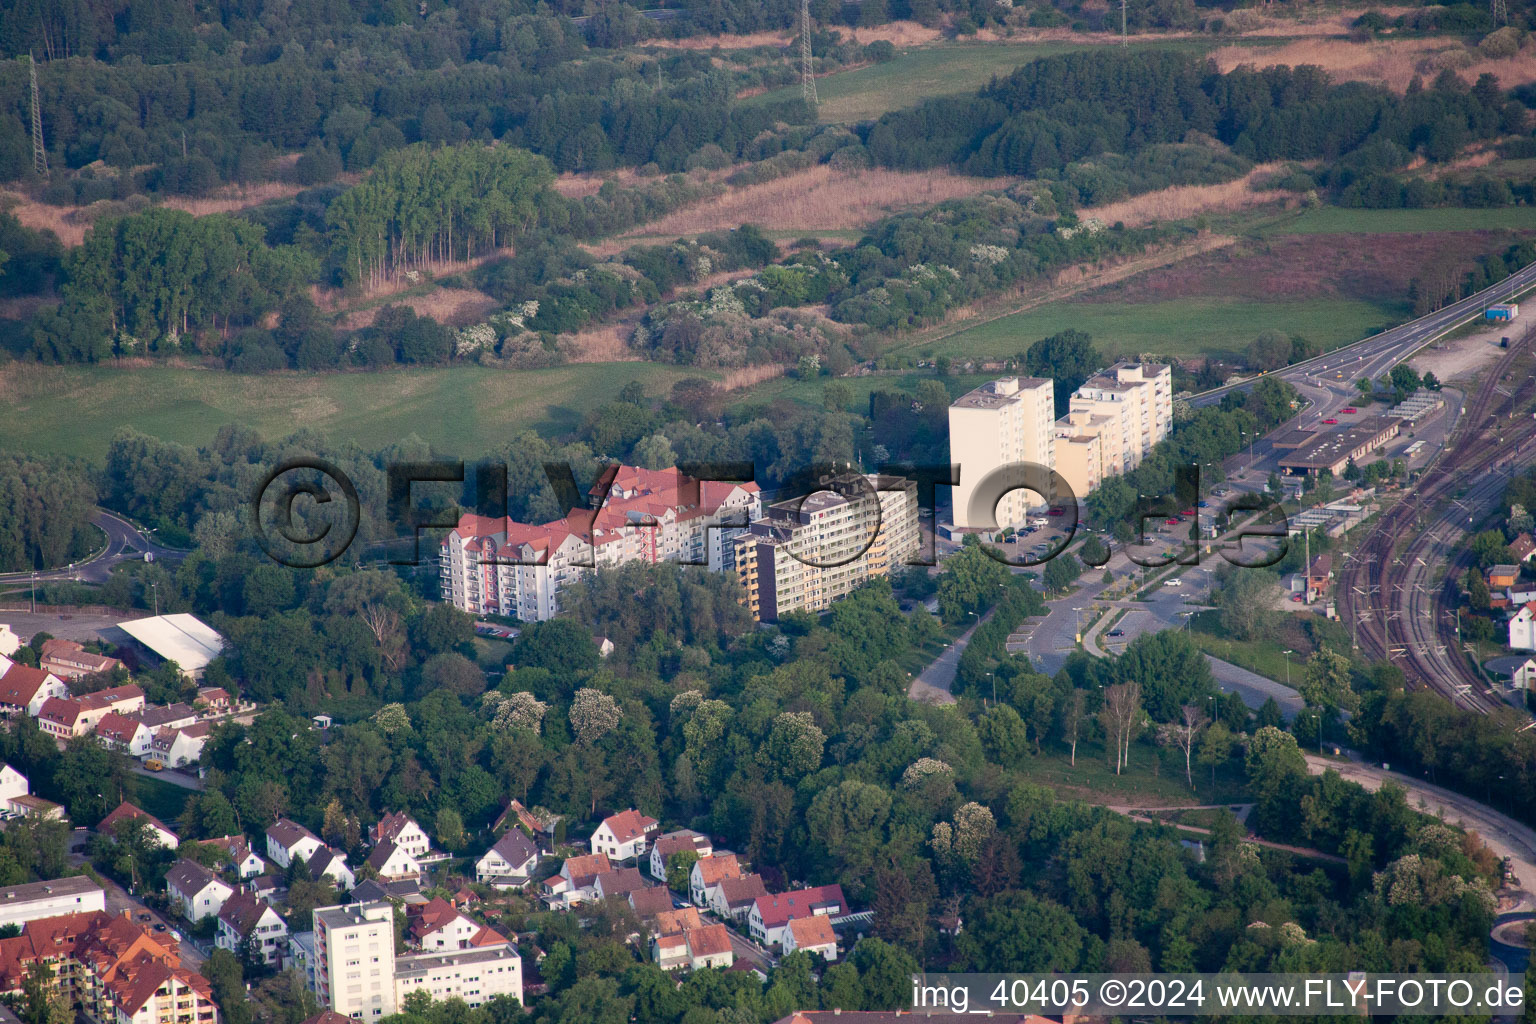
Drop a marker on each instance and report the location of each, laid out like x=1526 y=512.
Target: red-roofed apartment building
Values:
x=770 y=915
x=500 y=566
x=69 y=660
x=110 y=969
x=439 y=926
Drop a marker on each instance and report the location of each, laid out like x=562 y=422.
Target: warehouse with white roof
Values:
x=182 y=638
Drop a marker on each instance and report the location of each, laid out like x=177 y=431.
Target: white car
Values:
x=1175 y=582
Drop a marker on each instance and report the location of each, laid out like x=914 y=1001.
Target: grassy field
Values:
x=162 y=799
x=1183 y=327
x=921 y=72
x=464 y=410
x=1334 y=220
x=1155 y=777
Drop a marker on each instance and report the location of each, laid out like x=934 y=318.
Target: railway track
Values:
x=1387 y=590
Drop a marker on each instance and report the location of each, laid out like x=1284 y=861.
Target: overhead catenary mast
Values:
x=39 y=151
x=807 y=74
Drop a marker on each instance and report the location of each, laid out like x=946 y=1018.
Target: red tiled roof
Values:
x=721 y=865
x=126 y=810
x=710 y=940
x=116 y=726
x=628 y=825
x=815 y=930
x=20 y=684
x=60 y=711
x=781 y=908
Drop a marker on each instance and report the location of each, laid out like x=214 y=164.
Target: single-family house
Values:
x=650 y=901
x=126 y=811
x=617 y=884
x=1523 y=546
x=1522 y=629
x=510 y=862
x=171 y=716
x=182 y=746
x=732 y=898
x=69 y=660
x=213 y=700
x=813 y=935
x=707 y=871
x=401 y=829
x=1524 y=675
x=126 y=733
x=709 y=946
x=25 y=689
x=577 y=880
x=670 y=922
x=1502 y=576
x=770 y=915
x=12 y=785
x=247 y=863
x=246 y=918
x=391 y=863
x=288 y=839
x=540 y=825
x=682 y=841
x=670 y=952
x=195 y=891
x=439 y=925
x=329 y=862
x=61 y=718
x=624 y=836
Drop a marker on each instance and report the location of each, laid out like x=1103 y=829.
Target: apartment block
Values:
x=1112 y=422
x=806 y=553
x=358 y=974
x=499 y=566
x=1004 y=422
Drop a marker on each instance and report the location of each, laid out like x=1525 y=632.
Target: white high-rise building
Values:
x=355 y=959
x=1004 y=422
x=1112 y=423
x=503 y=567
x=358 y=974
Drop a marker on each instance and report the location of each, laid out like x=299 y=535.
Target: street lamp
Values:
x=1288 y=667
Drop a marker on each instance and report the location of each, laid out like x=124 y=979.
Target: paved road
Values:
x=170 y=775
x=1375 y=356
x=124 y=542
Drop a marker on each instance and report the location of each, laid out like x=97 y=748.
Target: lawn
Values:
x=1335 y=220
x=1179 y=327
x=162 y=799
x=465 y=411
x=864 y=93
x=1265 y=657
x=1155 y=777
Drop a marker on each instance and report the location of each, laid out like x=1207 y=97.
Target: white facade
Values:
x=623 y=836
x=10 y=643
x=402 y=830
x=473 y=975
x=500 y=566
x=1522 y=633
x=286 y=840
x=355 y=959
x=32 y=900
x=269 y=935
x=198 y=899
x=1001 y=423
x=12 y=784
x=1112 y=422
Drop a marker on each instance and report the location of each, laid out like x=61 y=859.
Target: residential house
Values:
x=25 y=689
x=126 y=733
x=127 y=699
x=61 y=718
x=171 y=716
x=1319 y=576
x=770 y=915
x=126 y=811
x=510 y=863
x=813 y=935
x=650 y=901
x=617 y=884
x=1523 y=546
x=683 y=841
x=329 y=862
x=670 y=952
x=36 y=807
x=195 y=891
x=707 y=871
x=69 y=660
x=540 y=826
x=391 y=863
x=10 y=643
x=247 y=919
x=401 y=829
x=1524 y=675
x=577 y=880
x=709 y=946
x=245 y=860
x=177 y=748
x=1522 y=629
x=12 y=785
x=624 y=836
x=732 y=898
x=670 y=922
x=1501 y=577
x=440 y=926
x=288 y=839
x=213 y=700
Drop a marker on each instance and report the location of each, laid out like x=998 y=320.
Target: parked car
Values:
x=1057 y=511
x=154 y=766
x=1175 y=582
x=1296 y=598
x=1117 y=632
x=1330 y=421
x=1348 y=410
x=1202 y=504
x=1172 y=522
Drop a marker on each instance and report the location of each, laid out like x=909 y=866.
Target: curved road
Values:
x=125 y=542
x=1375 y=356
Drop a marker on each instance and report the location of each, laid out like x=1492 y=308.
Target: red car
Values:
x=1330 y=421
x=1172 y=522
x=1349 y=410
x=1187 y=512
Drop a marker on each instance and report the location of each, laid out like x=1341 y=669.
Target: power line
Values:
x=807 y=74
x=39 y=151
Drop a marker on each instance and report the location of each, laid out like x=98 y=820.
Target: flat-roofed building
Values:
x=32 y=901
x=1003 y=422
x=1334 y=450
x=1127 y=408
